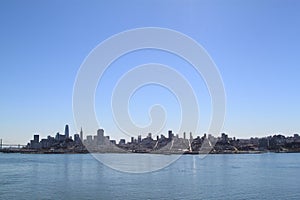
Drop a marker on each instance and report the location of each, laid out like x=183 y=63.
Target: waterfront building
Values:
x=35 y=142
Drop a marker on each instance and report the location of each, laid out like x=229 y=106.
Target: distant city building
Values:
x=139 y=139
x=76 y=138
x=89 y=138
x=191 y=136
x=224 y=138
x=36 y=138
x=50 y=138
x=122 y=142
x=81 y=134
x=100 y=137
x=67 y=134
x=170 y=134
x=96 y=138
x=113 y=141
x=35 y=142
x=60 y=137
x=263 y=143
x=45 y=143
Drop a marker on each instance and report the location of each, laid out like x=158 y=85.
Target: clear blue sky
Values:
x=255 y=45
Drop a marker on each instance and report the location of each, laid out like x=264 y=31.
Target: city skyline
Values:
x=171 y=143
x=254 y=45
x=100 y=133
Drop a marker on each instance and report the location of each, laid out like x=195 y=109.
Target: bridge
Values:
x=2 y=146
x=12 y=146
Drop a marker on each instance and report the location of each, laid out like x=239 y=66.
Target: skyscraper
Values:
x=76 y=138
x=81 y=134
x=170 y=134
x=67 y=131
x=100 y=138
x=36 y=138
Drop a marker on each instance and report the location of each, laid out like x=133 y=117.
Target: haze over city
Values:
x=254 y=45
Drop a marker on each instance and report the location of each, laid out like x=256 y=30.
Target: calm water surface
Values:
x=260 y=176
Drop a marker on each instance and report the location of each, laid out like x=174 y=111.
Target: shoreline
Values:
x=28 y=151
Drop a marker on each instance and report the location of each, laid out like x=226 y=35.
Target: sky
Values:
x=255 y=45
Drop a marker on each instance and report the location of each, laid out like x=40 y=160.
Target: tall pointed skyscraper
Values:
x=81 y=134
x=67 y=131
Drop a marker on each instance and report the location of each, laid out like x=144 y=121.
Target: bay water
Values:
x=81 y=176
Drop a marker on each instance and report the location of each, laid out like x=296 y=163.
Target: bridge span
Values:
x=11 y=145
